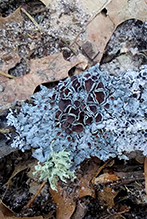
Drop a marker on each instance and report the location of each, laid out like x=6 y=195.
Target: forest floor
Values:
x=62 y=28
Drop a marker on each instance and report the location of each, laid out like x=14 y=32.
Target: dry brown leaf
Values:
x=121 y=10
x=65 y=205
x=106 y=197
x=122 y=209
x=107 y=163
x=85 y=185
x=33 y=187
x=6 y=213
x=10 y=60
x=94 y=6
x=47 y=69
x=14 y=17
x=46 y=2
x=81 y=210
x=5 y=210
x=3 y=217
x=100 y=29
x=30 y=174
x=106 y=178
x=115 y=216
x=140 y=159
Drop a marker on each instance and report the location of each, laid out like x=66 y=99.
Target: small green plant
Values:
x=57 y=166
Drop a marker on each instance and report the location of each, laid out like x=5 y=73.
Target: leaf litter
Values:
x=29 y=82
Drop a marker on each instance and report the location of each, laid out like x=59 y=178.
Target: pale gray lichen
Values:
x=92 y=114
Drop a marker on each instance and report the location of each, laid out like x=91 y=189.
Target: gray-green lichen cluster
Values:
x=92 y=114
x=56 y=167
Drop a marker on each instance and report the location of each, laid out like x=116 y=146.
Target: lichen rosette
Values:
x=92 y=114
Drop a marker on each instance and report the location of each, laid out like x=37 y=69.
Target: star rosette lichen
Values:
x=92 y=114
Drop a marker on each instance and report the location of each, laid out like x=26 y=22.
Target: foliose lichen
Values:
x=92 y=114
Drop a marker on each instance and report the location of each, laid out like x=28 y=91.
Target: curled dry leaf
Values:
x=106 y=197
x=85 y=185
x=106 y=178
x=48 y=69
x=46 y=2
x=65 y=205
x=109 y=162
x=102 y=25
x=6 y=213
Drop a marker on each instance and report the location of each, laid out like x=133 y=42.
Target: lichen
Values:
x=57 y=167
x=92 y=114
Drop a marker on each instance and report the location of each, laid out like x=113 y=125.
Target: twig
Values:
x=36 y=194
x=6 y=75
x=31 y=18
x=38 y=11
x=64 y=41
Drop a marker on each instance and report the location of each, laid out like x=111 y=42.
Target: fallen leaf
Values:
x=48 y=69
x=85 y=185
x=65 y=205
x=102 y=25
x=83 y=62
x=3 y=217
x=106 y=178
x=5 y=210
x=10 y=60
x=107 y=163
x=14 y=17
x=81 y=210
x=140 y=159
x=94 y=6
x=34 y=186
x=46 y=2
x=32 y=169
x=121 y=10
x=6 y=213
x=106 y=197
x=115 y=216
